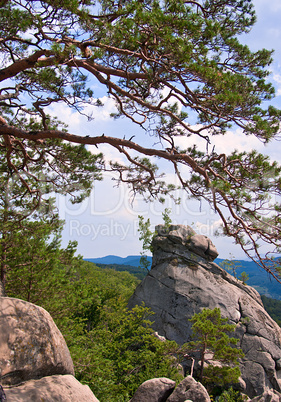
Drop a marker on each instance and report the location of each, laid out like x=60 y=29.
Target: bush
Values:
x=231 y=396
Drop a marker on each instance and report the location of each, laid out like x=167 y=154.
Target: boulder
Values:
x=189 y=389
x=155 y=390
x=56 y=388
x=183 y=280
x=31 y=346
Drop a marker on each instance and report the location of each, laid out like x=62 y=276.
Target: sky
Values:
x=107 y=222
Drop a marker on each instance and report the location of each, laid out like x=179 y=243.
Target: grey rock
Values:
x=278 y=364
x=56 y=388
x=189 y=389
x=155 y=390
x=182 y=231
x=203 y=246
x=183 y=281
x=255 y=378
x=185 y=236
x=31 y=346
x=268 y=396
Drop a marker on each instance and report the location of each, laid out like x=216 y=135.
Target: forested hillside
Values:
x=138 y=272
x=273 y=307
x=113 y=350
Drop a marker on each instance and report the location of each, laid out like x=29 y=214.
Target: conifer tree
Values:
x=244 y=277
x=210 y=333
x=176 y=69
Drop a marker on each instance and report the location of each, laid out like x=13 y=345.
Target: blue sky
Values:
x=106 y=223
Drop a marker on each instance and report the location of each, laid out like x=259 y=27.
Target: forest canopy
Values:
x=174 y=68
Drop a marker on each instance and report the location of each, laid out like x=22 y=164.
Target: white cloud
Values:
x=110 y=153
x=277 y=80
x=65 y=114
x=223 y=143
x=102 y=113
x=233 y=140
x=76 y=121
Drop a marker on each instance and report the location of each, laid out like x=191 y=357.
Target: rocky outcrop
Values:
x=35 y=363
x=183 y=280
x=56 y=388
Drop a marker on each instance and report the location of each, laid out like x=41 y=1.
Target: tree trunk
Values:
x=202 y=362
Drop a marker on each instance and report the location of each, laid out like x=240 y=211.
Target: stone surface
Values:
x=31 y=346
x=189 y=389
x=155 y=390
x=185 y=236
x=183 y=280
x=56 y=388
x=268 y=396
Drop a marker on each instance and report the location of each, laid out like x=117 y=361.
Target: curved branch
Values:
x=21 y=65
x=44 y=134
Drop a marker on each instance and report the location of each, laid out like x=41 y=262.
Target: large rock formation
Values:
x=35 y=363
x=183 y=280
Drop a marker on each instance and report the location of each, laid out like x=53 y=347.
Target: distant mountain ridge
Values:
x=258 y=278
x=133 y=260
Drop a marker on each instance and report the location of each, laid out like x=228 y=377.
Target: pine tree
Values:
x=210 y=333
x=244 y=277
x=176 y=69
